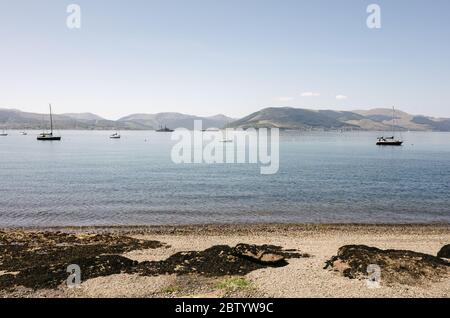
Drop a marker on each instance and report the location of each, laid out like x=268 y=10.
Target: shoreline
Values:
x=220 y=129
x=200 y=260
x=241 y=228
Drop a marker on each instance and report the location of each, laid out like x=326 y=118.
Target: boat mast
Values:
x=51 y=119
x=393 y=121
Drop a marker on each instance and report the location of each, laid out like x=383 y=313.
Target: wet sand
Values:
x=185 y=261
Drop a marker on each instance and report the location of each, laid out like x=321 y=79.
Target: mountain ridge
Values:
x=280 y=117
x=16 y=119
x=378 y=119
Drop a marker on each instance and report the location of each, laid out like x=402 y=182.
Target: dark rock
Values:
x=444 y=252
x=51 y=276
x=397 y=266
x=264 y=254
x=219 y=260
x=40 y=259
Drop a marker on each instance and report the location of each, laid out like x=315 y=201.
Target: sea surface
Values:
x=324 y=177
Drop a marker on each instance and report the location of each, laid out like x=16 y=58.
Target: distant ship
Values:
x=165 y=129
x=23 y=133
x=116 y=135
x=3 y=133
x=390 y=141
x=46 y=135
x=210 y=129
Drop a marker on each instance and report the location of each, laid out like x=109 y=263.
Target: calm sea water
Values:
x=89 y=179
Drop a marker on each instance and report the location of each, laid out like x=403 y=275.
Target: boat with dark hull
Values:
x=49 y=135
x=390 y=141
x=116 y=135
x=165 y=129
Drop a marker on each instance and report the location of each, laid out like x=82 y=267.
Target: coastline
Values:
x=303 y=275
x=228 y=229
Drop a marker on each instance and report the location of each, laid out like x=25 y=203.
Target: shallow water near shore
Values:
x=89 y=179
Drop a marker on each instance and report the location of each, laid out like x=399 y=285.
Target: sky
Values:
x=234 y=57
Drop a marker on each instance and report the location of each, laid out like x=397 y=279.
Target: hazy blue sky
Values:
x=230 y=56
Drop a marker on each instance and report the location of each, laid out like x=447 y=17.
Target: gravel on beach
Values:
x=156 y=245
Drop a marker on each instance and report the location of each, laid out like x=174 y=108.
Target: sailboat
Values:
x=46 y=135
x=3 y=133
x=390 y=141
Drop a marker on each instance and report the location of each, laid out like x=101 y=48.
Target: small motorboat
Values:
x=210 y=129
x=116 y=135
x=389 y=141
x=3 y=133
x=23 y=133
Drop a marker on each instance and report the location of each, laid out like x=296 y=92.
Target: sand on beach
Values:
x=301 y=277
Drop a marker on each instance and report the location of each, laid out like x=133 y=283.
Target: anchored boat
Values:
x=116 y=135
x=49 y=135
x=165 y=129
x=390 y=141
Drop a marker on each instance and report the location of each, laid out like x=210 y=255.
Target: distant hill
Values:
x=306 y=119
x=281 y=117
x=83 y=116
x=404 y=121
x=174 y=120
x=438 y=125
x=16 y=119
x=296 y=118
